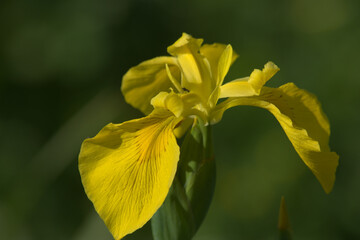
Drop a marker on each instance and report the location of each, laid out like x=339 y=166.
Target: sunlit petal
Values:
x=259 y=78
x=170 y=101
x=300 y=115
x=220 y=57
x=195 y=67
x=224 y=64
x=127 y=170
x=213 y=53
x=249 y=86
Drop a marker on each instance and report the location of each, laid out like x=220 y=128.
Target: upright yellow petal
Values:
x=195 y=67
x=142 y=82
x=213 y=53
x=127 y=170
x=300 y=115
x=223 y=64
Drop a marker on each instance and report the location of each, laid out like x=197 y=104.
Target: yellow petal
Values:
x=182 y=105
x=170 y=101
x=259 y=78
x=186 y=50
x=300 y=115
x=183 y=127
x=237 y=88
x=213 y=53
x=195 y=67
x=142 y=82
x=173 y=80
x=225 y=62
x=249 y=86
x=220 y=58
x=127 y=170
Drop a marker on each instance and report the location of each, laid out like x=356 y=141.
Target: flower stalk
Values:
x=191 y=193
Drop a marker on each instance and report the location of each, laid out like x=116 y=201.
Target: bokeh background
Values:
x=61 y=65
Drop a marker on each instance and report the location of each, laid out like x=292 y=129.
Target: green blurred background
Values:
x=61 y=65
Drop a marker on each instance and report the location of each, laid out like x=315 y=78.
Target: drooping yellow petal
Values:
x=249 y=86
x=195 y=67
x=127 y=170
x=300 y=115
x=142 y=82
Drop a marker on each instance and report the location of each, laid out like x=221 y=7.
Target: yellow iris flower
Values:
x=128 y=168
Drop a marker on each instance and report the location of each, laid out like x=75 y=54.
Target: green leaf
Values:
x=191 y=193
